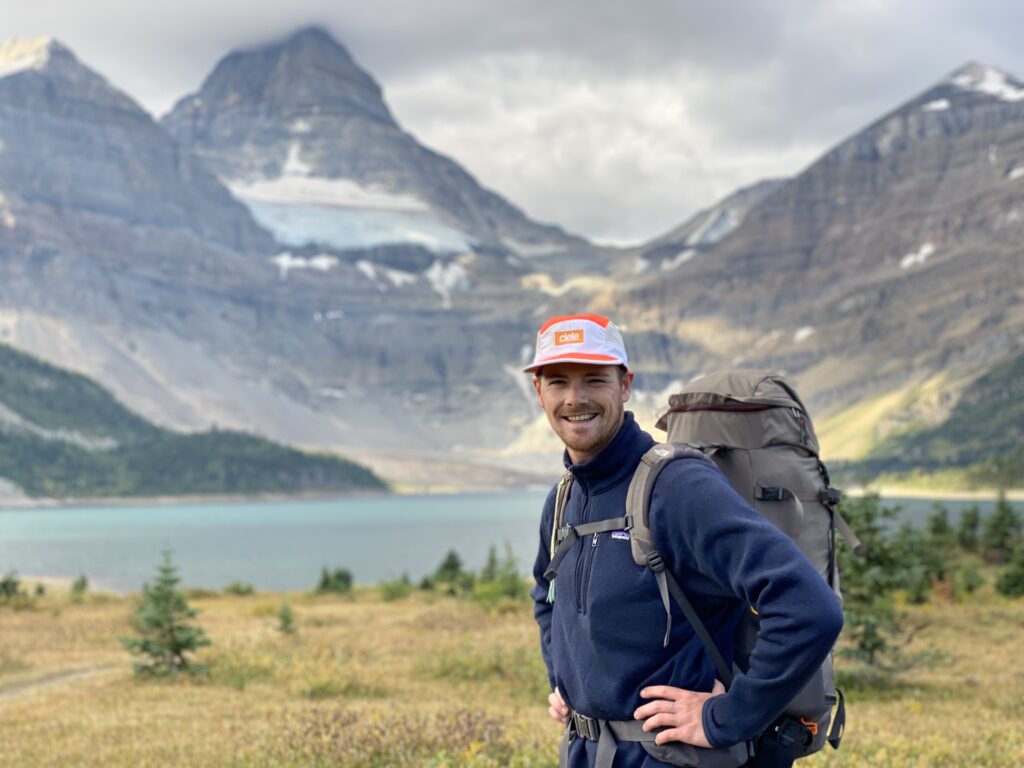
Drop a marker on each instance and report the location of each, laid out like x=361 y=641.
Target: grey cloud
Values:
x=736 y=90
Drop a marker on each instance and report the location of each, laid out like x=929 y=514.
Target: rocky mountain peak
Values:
x=982 y=78
x=40 y=70
x=309 y=73
x=18 y=54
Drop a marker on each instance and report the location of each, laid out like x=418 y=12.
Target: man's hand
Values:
x=678 y=710
x=557 y=707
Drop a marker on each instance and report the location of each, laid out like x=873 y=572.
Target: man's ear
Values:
x=627 y=386
x=536 y=388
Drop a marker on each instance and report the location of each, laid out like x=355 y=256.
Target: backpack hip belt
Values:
x=608 y=734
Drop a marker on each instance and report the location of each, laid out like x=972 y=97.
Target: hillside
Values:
x=979 y=443
x=62 y=435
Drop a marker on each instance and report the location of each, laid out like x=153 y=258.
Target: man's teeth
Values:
x=582 y=417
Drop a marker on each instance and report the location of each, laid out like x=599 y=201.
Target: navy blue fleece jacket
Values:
x=602 y=637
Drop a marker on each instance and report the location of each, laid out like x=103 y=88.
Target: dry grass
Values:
x=426 y=681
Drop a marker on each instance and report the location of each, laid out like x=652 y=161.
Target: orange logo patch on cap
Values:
x=574 y=336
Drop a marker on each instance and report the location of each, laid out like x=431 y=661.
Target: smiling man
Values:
x=630 y=693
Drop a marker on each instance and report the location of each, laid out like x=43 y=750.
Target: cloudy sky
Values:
x=615 y=120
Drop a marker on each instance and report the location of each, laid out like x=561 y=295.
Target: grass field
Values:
x=424 y=681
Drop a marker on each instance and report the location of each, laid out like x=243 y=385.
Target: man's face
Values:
x=584 y=404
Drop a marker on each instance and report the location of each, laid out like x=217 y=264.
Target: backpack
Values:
x=754 y=427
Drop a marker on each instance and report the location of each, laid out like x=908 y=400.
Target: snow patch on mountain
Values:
x=21 y=54
x=939 y=105
x=286 y=262
x=398 y=277
x=293 y=165
x=530 y=250
x=802 y=334
x=719 y=223
x=1017 y=172
x=298 y=188
x=350 y=228
x=920 y=256
x=678 y=260
x=446 y=278
x=367 y=269
x=990 y=81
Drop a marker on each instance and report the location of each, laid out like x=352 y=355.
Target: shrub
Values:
x=239 y=589
x=877 y=633
x=397 y=589
x=78 y=589
x=967 y=531
x=338 y=581
x=1002 y=531
x=969 y=578
x=10 y=586
x=500 y=581
x=165 y=638
x=285 y=620
x=1011 y=582
x=451 y=577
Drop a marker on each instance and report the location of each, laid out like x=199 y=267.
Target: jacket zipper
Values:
x=584 y=563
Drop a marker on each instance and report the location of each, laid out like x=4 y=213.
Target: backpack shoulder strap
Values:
x=638 y=506
x=638 y=497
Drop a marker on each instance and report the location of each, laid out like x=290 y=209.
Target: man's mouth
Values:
x=581 y=417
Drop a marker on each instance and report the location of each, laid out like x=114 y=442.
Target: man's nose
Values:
x=577 y=392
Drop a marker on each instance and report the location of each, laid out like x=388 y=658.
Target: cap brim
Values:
x=574 y=357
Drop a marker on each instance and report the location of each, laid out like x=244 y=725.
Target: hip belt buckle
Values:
x=585 y=727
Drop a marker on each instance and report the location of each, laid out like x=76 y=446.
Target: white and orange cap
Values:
x=589 y=339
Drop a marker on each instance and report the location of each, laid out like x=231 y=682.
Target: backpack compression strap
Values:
x=638 y=507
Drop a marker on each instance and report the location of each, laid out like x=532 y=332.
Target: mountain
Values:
x=894 y=259
x=703 y=230
x=65 y=436
x=885 y=278
x=123 y=257
x=303 y=136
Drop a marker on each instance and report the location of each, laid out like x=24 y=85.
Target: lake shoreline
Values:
x=25 y=502
x=897 y=492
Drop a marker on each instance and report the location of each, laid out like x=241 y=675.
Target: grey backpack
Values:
x=754 y=427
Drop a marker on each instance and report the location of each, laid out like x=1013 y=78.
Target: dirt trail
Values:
x=54 y=679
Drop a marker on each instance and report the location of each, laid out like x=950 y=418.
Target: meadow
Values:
x=398 y=677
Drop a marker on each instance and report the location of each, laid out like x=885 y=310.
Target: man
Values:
x=602 y=620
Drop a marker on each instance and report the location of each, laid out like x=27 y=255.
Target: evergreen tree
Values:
x=285 y=620
x=450 y=568
x=1011 y=582
x=967 y=532
x=161 y=621
x=1002 y=532
x=490 y=570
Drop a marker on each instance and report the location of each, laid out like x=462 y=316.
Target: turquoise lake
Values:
x=283 y=545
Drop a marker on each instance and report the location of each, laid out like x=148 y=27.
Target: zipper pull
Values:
x=593 y=542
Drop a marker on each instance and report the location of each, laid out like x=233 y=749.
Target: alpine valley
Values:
x=278 y=255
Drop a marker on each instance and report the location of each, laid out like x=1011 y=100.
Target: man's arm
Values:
x=705 y=529
x=541 y=607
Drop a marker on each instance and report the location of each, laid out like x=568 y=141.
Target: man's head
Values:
x=582 y=380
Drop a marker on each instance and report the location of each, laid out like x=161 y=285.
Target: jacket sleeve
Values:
x=708 y=530
x=541 y=607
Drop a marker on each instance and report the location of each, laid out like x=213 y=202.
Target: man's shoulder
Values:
x=690 y=469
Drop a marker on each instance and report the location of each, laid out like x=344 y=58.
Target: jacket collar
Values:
x=616 y=462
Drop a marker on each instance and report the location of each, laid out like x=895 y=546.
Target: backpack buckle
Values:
x=830 y=497
x=585 y=727
x=562 y=532
x=655 y=562
x=792 y=733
